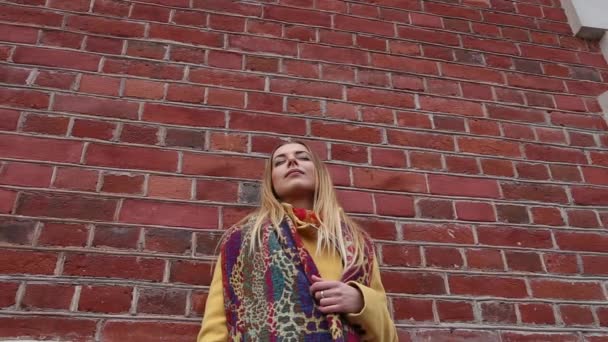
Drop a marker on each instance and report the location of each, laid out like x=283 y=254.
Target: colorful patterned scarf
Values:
x=267 y=293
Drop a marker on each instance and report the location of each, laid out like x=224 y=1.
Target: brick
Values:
x=225 y=98
x=498 y=312
x=458 y=334
x=59 y=328
x=411 y=119
x=581 y=139
x=26 y=174
x=24 y=98
x=59 y=80
x=168 y=240
x=14 y=75
x=475 y=211
x=517 y=131
x=190 y=272
x=143 y=68
x=512 y=213
x=435 y=208
x=63 y=234
x=8 y=294
x=399 y=255
x=297 y=15
x=597 y=176
x=139 y=134
x=93 y=265
x=582 y=218
x=577 y=120
x=529 y=337
x=27 y=262
x=388 y=157
x=355 y=201
x=471 y=73
x=435 y=104
x=534 y=192
x=588 y=242
x=9 y=120
x=404 y=64
x=443 y=257
x=116 y=331
x=103 y=44
x=389 y=180
x=515 y=114
x=268 y=45
x=47 y=296
x=349 y=152
x=550 y=135
x=262 y=64
x=105 y=299
x=56 y=58
x=66 y=206
x=116 y=237
x=150 y=13
x=207 y=243
x=561 y=263
x=532 y=171
x=461 y=186
x=18 y=34
x=523 y=261
x=516 y=237
x=349 y=23
x=487 y=286
x=162 y=301
x=576 y=315
x=226 y=60
x=346 y=132
x=302 y=106
x=212 y=190
x=489 y=147
x=394 y=205
x=425 y=160
x=413 y=309
x=185 y=93
x=305 y=34
x=535 y=82
x=413 y=282
x=445 y=233
x=536 y=313
x=555 y=154
x=185 y=35
x=30 y=16
x=96 y=106
x=449 y=123
x=484 y=259
x=308 y=88
x=131 y=157
x=144 y=89
x=540 y=100
x=548 y=216
x=99 y=85
x=429 y=36
x=509 y=96
x=169 y=187
x=62 y=39
x=444 y=142
x=40 y=148
x=250 y=168
x=183 y=214
x=497 y=167
x=571 y=290
x=17 y=232
x=594 y=264
x=589 y=196
x=75 y=179
x=226 y=78
x=455 y=311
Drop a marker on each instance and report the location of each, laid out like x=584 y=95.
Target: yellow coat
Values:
x=374 y=318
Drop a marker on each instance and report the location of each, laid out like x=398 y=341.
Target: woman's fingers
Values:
x=324 y=285
x=329 y=301
x=336 y=308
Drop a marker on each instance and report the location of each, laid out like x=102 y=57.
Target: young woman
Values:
x=298 y=268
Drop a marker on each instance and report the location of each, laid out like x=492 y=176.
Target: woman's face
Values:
x=293 y=172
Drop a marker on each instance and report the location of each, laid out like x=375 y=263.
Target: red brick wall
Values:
x=465 y=134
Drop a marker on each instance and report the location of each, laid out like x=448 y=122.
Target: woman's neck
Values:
x=305 y=203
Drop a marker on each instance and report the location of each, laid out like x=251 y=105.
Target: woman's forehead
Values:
x=290 y=148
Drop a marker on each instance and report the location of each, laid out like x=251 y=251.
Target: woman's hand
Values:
x=336 y=296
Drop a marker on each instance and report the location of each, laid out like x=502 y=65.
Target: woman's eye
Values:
x=277 y=163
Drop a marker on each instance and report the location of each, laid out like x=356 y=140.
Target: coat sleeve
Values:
x=374 y=320
x=213 y=328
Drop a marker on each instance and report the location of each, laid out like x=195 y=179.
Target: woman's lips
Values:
x=291 y=172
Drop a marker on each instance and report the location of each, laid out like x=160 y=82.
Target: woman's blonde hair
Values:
x=333 y=220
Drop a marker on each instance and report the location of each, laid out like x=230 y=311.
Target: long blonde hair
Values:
x=333 y=220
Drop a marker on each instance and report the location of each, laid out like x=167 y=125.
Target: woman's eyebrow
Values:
x=282 y=155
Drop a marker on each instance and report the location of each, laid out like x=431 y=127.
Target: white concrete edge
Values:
x=587 y=18
x=604 y=45
x=603 y=100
